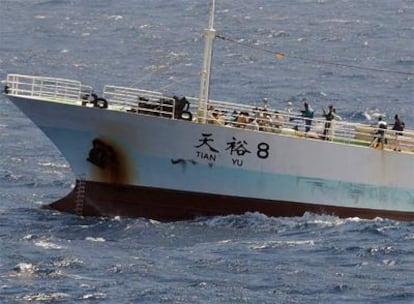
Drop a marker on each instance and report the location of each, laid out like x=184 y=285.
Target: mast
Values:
x=210 y=34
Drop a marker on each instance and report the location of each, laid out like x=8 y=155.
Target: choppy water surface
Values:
x=52 y=257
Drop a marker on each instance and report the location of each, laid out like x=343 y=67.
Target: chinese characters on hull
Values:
x=237 y=148
x=211 y=153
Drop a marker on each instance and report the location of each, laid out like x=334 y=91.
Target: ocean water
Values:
x=49 y=257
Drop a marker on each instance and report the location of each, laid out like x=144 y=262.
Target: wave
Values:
x=260 y=222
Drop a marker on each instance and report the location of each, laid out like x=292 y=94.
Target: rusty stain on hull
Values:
x=104 y=199
x=111 y=162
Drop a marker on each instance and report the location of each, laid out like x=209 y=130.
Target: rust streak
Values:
x=111 y=162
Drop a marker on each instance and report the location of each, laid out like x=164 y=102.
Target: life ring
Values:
x=100 y=103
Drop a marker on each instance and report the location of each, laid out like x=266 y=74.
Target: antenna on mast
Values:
x=209 y=34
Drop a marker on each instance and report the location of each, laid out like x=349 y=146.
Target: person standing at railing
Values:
x=379 y=137
x=329 y=116
x=398 y=129
x=307 y=113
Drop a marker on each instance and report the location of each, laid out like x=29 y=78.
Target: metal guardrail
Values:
x=56 y=89
x=140 y=101
x=222 y=113
x=293 y=124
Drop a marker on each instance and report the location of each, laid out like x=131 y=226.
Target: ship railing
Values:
x=139 y=101
x=294 y=124
x=222 y=113
x=53 y=89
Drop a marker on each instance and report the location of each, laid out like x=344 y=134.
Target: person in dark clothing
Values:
x=307 y=113
x=329 y=116
x=398 y=127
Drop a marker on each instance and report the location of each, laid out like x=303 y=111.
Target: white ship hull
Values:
x=173 y=169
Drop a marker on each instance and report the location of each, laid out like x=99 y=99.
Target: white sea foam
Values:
x=95 y=239
x=388 y=262
x=67 y=262
x=224 y=241
x=50 y=164
x=154 y=222
x=42 y=297
x=24 y=267
x=28 y=237
x=115 y=17
x=47 y=245
x=94 y=296
x=24 y=270
x=409 y=237
x=275 y=244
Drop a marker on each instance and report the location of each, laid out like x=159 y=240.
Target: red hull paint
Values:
x=102 y=199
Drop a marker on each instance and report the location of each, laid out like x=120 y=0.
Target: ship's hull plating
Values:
x=134 y=165
x=102 y=199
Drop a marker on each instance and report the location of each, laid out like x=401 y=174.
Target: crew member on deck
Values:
x=307 y=113
x=329 y=116
x=398 y=128
x=379 y=138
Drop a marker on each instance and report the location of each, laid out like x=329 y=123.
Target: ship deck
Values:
x=226 y=114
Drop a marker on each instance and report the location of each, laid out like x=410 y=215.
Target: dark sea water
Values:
x=49 y=257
